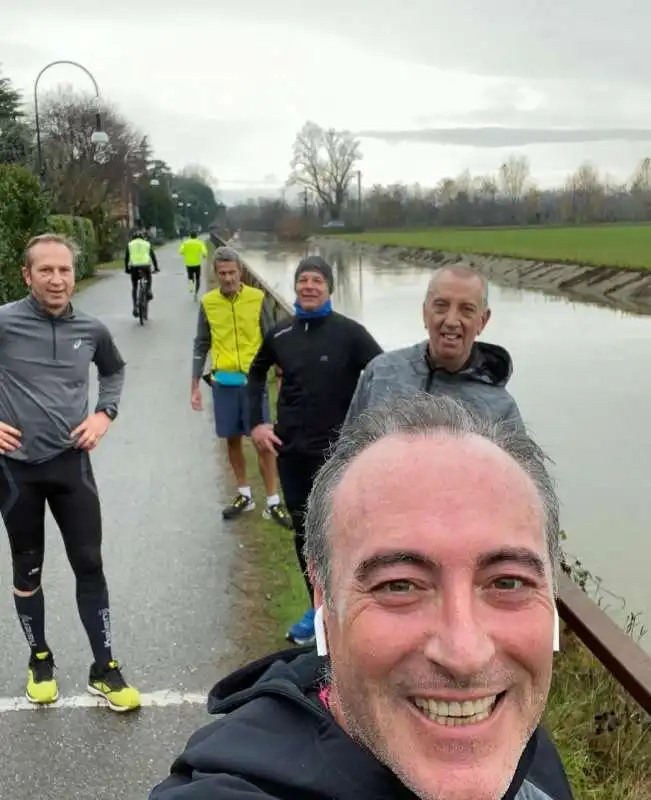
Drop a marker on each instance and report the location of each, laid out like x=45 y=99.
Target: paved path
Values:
x=167 y=559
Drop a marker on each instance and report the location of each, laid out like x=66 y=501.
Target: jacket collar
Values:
x=39 y=311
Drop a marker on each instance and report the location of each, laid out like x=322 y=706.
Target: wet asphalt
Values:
x=167 y=558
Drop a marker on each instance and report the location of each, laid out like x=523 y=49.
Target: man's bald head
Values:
x=463 y=271
x=424 y=415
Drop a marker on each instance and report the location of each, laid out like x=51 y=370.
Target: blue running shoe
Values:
x=302 y=632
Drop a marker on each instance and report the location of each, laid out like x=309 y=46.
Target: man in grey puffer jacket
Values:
x=450 y=361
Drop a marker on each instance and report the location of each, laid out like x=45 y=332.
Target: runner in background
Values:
x=193 y=251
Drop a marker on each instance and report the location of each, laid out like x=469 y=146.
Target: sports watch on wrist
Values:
x=110 y=411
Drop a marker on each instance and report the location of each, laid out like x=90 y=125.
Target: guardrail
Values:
x=619 y=653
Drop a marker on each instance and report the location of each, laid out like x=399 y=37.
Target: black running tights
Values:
x=66 y=483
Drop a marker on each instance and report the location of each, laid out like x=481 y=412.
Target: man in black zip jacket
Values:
x=432 y=537
x=278 y=740
x=321 y=355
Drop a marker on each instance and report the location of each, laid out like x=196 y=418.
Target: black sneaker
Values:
x=279 y=515
x=239 y=505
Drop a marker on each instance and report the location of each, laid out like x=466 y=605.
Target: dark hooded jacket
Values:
x=276 y=740
x=480 y=384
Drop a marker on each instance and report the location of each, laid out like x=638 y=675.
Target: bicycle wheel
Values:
x=142 y=302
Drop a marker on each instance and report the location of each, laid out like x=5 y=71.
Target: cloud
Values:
x=495 y=136
x=440 y=84
x=580 y=39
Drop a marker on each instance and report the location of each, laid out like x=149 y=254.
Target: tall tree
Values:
x=323 y=162
x=82 y=175
x=10 y=100
x=199 y=173
x=514 y=174
x=196 y=202
x=15 y=135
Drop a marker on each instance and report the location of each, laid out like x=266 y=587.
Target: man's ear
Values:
x=485 y=317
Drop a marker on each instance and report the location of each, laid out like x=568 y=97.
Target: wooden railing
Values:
x=619 y=653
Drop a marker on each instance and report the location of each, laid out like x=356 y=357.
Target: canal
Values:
x=582 y=379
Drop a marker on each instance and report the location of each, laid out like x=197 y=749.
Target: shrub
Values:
x=82 y=232
x=23 y=214
x=110 y=235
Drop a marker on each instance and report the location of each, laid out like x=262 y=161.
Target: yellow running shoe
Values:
x=41 y=686
x=108 y=683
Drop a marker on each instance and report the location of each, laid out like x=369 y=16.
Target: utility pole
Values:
x=359 y=196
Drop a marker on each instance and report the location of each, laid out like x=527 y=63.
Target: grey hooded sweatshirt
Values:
x=480 y=385
x=45 y=374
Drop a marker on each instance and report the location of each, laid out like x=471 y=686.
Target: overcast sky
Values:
x=433 y=86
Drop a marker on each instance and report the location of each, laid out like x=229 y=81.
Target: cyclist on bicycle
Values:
x=139 y=258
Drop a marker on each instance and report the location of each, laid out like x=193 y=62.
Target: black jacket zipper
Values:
x=54 y=340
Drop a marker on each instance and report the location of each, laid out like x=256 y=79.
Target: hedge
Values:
x=23 y=214
x=82 y=232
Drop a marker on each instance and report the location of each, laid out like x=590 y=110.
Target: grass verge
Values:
x=271 y=589
x=624 y=246
x=117 y=263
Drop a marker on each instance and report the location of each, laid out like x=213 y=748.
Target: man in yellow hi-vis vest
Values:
x=233 y=319
x=193 y=251
x=139 y=257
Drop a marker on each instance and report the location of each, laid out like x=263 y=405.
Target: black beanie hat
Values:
x=316 y=264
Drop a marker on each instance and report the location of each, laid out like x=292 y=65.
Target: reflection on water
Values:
x=582 y=379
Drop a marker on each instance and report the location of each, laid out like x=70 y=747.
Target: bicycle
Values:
x=142 y=297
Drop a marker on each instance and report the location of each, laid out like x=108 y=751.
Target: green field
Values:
x=599 y=245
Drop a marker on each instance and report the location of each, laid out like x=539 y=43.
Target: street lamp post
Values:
x=99 y=135
x=359 y=196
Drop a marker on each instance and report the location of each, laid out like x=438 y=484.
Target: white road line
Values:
x=161 y=699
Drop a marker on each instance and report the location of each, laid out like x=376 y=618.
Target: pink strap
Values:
x=324 y=697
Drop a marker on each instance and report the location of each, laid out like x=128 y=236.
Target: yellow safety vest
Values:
x=235 y=329
x=193 y=252
x=139 y=253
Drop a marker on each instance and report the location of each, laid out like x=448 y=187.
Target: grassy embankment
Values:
x=627 y=246
x=604 y=740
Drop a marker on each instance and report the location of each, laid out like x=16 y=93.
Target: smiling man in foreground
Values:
x=433 y=542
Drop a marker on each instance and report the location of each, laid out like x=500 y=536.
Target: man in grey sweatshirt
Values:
x=450 y=361
x=46 y=434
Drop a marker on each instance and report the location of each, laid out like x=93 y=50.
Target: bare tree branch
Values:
x=80 y=174
x=323 y=162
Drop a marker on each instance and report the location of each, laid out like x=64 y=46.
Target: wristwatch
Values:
x=110 y=411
